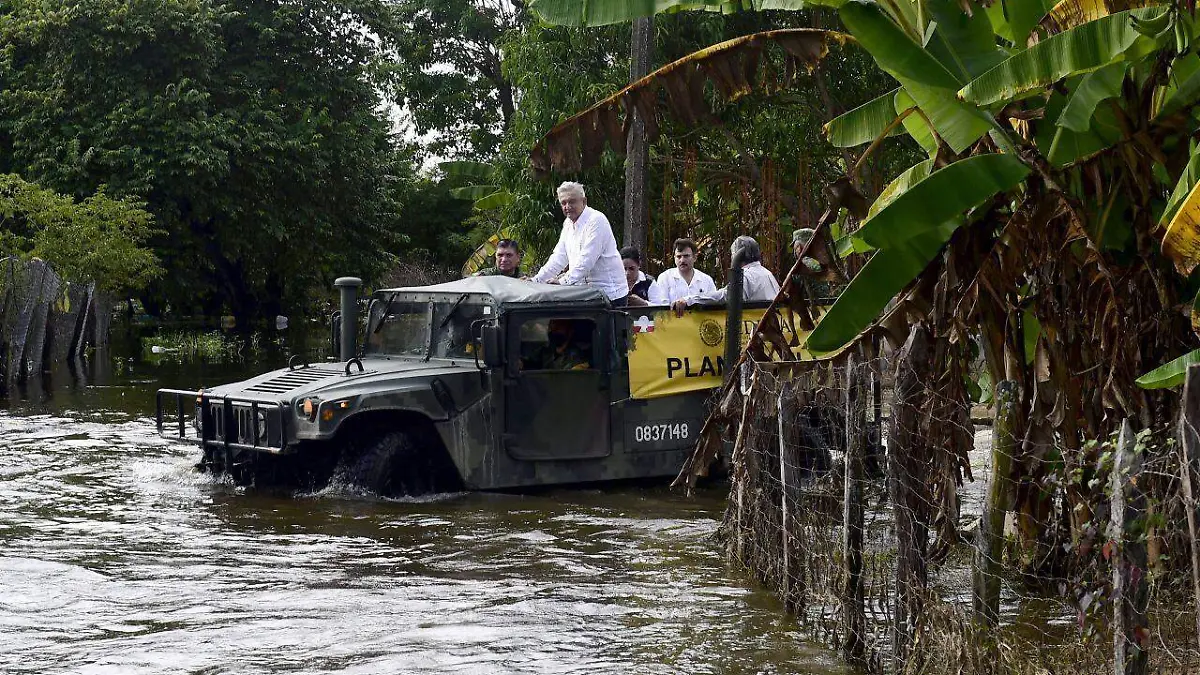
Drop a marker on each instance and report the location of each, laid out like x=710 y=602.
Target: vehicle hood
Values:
x=329 y=380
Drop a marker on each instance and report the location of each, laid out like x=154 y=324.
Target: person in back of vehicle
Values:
x=508 y=261
x=640 y=283
x=758 y=283
x=683 y=279
x=586 y=249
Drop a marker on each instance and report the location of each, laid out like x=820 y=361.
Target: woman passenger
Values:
x=639 y=282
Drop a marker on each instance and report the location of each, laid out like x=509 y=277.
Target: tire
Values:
x=394 y=463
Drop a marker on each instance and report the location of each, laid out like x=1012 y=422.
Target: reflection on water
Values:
x=118 y=558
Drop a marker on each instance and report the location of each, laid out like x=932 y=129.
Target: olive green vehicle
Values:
x=480 y=384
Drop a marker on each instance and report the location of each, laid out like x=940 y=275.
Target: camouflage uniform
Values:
x=494 y=271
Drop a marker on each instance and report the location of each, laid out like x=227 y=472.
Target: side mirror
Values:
x=489 y=343
x=335 y=330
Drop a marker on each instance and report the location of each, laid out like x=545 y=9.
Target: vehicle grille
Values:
x=293 y=379
x=243 y=425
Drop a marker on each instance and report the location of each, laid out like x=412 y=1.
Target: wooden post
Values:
x=1189 y=453
x=990 y=543
x=784 y=510
x=739 y=451
x=1131 y=631
x=905 y=455
x=853 y=612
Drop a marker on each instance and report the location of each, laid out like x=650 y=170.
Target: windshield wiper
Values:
x=445 y=320
x=387 y=309
x=454 y=308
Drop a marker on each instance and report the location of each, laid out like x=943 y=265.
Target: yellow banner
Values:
x=672 y=355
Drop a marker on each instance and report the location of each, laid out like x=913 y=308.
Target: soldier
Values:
x=508 y=260
x=758 y=283
x=562 y=351
x=683 y=279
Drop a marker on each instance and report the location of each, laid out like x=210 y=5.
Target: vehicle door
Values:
x=556 y=403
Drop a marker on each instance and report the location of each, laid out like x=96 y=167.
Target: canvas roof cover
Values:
x=508 y=291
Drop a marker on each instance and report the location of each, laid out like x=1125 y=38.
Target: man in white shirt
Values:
x=586 y=249
x=683 y=279
x=758 y=284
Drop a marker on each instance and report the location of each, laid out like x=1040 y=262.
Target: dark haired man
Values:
x=508 y=261
x=683 y=279
x=758 y=283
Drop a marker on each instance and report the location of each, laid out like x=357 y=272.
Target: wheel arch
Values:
x=358 y=430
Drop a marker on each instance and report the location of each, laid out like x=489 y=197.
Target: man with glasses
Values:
x=586 y=252
x=508 y=261
x=683 y=279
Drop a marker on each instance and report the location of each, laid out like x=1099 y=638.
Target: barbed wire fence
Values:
x=911 y=539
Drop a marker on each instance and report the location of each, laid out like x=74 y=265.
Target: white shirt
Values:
x=642 y=276
x=758 y=284
x=671 y=286
x=588 y=251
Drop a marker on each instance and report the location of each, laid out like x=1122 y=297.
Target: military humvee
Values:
x=479 y=384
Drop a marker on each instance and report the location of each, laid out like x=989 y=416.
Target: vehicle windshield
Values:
x=401 y=327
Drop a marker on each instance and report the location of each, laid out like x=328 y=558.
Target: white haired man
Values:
x=586 y=249
x=758 y=283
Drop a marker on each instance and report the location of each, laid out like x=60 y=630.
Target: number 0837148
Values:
x=661 y=431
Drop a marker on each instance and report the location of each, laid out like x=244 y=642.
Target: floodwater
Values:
x=116 y=557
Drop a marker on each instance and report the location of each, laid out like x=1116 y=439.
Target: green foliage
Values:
x=97 y=239
x=447 y=73
x=254 y=135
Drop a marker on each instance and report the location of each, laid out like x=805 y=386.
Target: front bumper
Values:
x=223 y=422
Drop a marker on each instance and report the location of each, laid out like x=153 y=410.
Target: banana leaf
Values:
x=723 y=71
x=1187 y=180
x=1079 y=50
x=477 y=171
x=945 y=194
x=1095 y=87
x=1181 y=243
x=864 y=123
x=474 y=192
x=885 y=274
x=1171 y=374
x=925 y=79
x=915 y=125
x=497 y=199
x=604 y=12
x=965 y=44
x=1070 y=13
x=911 y=176
x=1184 y=86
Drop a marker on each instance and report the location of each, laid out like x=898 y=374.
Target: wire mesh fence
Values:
x=913 y=538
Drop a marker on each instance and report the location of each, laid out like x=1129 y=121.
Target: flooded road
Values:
x=116 y=557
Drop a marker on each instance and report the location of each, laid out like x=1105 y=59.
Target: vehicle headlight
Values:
x=262 y=426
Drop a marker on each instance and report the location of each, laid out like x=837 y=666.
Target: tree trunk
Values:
x=637 y=178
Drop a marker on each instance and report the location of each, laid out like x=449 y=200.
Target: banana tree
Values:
x=1059 y=150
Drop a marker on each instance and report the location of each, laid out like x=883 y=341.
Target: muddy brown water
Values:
x=117 y=557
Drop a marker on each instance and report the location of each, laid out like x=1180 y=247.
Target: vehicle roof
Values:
x=508 y=291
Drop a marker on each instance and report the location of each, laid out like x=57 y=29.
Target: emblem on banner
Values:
x=711 y=333
x=644 y=324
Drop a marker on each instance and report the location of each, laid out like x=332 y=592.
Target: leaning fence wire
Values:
x=914 y=534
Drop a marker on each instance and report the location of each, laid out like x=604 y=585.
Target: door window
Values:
x=557 y=343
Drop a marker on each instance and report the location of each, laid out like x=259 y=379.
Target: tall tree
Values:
x=252 y=133
x=448 y=74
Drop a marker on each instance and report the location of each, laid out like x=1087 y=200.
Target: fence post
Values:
x=1131 y=632
x=905 y=452
x=853 y=612
x=785 y=511
x=1189 y=452
x=990 y=543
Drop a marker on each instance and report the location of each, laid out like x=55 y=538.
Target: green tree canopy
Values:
x=97 y=239
x=253 y=132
